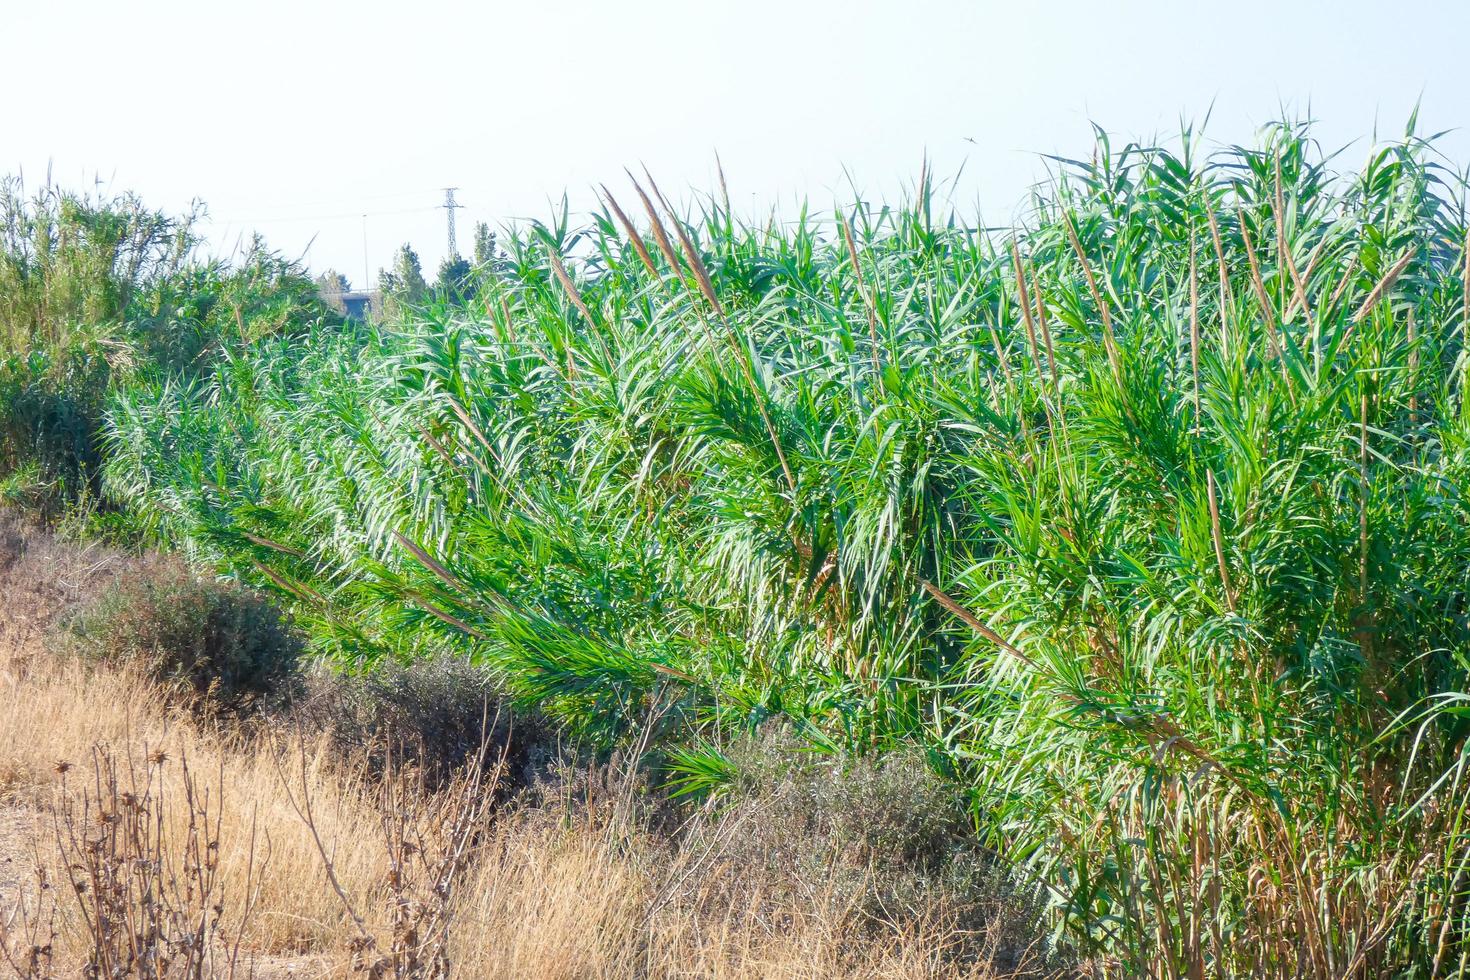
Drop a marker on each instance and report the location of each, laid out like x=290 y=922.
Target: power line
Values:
x=345 y=201
x=319 y=217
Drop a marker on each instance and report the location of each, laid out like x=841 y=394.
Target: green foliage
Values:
x=70 y=262
x=51 y=404
x=403 y=286
x=1145 y=522
x=485 y=250
x=701 y=771
x=456 y=279
x=95 y=290
x=222 y=649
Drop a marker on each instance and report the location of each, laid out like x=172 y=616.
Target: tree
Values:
x=484 y=245
x=330 y=286
x=404 y=283
x=456 y=278
x=406 y=280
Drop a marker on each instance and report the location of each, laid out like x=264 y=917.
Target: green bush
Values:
x=50 y=421
x=94 y=291
x=223 y=650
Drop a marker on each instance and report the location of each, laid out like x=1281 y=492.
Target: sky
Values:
x=332 y=128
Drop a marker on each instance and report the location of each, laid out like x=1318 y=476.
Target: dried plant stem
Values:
x=1051 y=354
x=1026 y=312
x=634 y=239
x=1283 y=248
x=1110 y=343
x=1194 y=332
x=1224 y=274
x=1384 y=285
x=976 y=624
x=660 y=236
x=1363 y=500
x=1273 y=343
x=1465 y=327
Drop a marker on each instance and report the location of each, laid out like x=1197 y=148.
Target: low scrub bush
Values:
x=224 y=649
x=884 y=837
x=885 y=814
x=431 y=717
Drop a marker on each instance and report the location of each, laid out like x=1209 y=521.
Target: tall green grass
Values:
x=1146 y=519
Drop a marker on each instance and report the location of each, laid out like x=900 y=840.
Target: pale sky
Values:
x=297 y=118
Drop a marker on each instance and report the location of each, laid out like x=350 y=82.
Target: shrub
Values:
x=433 y=716
x=94 y=291
x=224 y=649
x=886 y=837
x=50 y=421
x=886 y=812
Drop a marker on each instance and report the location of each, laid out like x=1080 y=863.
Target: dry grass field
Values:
x=137 y=837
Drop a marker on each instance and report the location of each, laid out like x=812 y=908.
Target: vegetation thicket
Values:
x=1145 y=521
x=93 y=290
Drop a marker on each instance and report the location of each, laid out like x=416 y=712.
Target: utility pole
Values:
x=449 y=205
x=367 y=284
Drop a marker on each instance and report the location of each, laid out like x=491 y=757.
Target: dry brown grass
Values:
x=566 y=885
x=54 y=711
